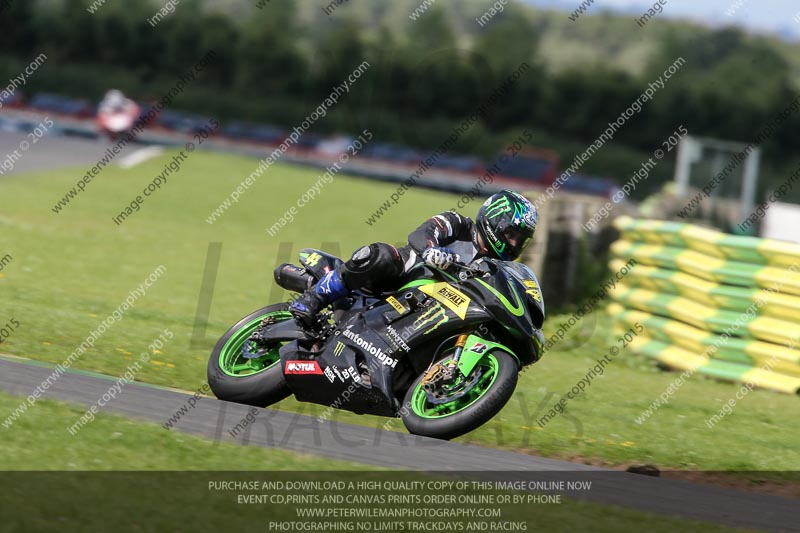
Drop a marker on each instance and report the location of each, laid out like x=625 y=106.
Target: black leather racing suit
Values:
x=381 y=267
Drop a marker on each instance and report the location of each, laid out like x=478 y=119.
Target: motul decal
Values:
x=302 y=367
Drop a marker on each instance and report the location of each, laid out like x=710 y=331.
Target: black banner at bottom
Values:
x=333 y=502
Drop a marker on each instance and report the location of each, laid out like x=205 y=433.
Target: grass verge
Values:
x=73 y=269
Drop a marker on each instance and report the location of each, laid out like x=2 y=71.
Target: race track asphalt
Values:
x=213 y=419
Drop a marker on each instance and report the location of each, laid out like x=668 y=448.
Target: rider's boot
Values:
x=328 y=289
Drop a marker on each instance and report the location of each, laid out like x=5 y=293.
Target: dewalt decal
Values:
x=455 y=300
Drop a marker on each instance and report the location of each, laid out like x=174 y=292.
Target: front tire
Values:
x=233 y=378
x=493 y=387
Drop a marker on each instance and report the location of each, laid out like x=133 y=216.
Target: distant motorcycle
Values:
x=116 y=115
x=442 y=352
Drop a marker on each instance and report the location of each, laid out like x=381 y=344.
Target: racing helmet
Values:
x=505 y=223
x=114 y=97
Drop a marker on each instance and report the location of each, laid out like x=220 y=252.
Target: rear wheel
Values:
x=452 y=409
x=254 y=381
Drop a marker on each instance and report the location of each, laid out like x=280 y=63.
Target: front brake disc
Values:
x=447 y=393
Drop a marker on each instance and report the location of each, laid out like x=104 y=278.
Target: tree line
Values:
x=423 y=80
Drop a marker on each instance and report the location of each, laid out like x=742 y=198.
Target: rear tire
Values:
x=475 y=414
x=261 y=388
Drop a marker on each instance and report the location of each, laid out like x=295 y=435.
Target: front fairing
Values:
x=511 y=294
x=533 y=292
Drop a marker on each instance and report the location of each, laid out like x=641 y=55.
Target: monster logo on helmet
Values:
x=506 y=222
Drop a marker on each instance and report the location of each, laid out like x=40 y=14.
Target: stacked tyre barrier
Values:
x=724 y=306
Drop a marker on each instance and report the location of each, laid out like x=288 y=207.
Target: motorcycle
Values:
x=442 y=352
x=116 y=121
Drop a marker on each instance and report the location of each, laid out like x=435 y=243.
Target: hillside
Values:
x=599 y=36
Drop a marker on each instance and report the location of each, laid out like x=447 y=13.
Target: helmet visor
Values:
x=516 y=239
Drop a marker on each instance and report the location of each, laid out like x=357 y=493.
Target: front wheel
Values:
x=453 y=409
x=254 y=381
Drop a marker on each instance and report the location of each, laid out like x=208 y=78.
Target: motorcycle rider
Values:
x=502 y=229
x=115 y=101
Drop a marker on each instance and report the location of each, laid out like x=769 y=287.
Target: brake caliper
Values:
x=442 y=383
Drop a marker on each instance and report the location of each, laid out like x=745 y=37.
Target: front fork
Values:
x=470 y=349
x=449 y=371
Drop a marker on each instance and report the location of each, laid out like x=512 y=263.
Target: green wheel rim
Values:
x=421 y=407
x=231 y=361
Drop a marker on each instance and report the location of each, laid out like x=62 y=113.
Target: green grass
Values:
x=600 y=423
x=73 y=269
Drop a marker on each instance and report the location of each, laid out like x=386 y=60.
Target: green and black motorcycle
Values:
x=443 y=352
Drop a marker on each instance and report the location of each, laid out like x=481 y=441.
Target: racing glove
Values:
x=439 y=257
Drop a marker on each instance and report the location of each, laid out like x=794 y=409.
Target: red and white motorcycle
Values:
x=116 y=114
